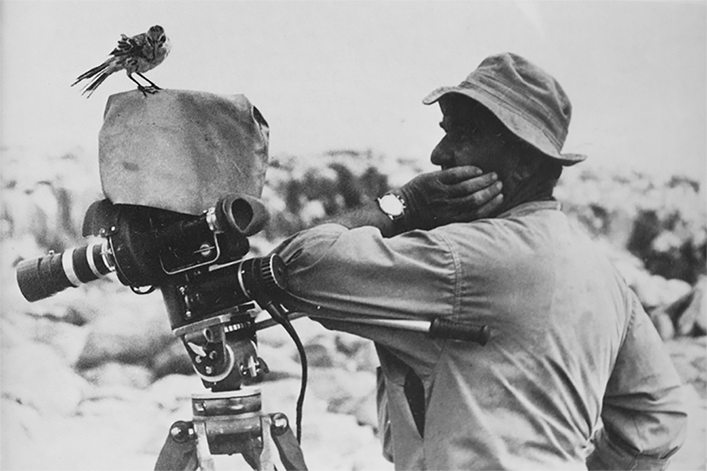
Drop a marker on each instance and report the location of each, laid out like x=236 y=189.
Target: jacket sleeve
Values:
x=644 y=413
x=336 y=274
x=334 y=271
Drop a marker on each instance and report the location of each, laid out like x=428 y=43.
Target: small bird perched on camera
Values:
x=135 y=55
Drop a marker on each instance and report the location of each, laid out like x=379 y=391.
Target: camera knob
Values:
x=262 y=276
x=273 y=272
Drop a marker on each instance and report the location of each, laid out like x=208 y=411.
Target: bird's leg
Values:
x=143 y=89
x=154 y=86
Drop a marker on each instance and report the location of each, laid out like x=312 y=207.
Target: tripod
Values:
x=229 y=420
x=229 y=423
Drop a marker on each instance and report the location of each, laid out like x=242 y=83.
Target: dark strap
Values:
x=415 y=395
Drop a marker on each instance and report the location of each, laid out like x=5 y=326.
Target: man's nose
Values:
x=441 y=155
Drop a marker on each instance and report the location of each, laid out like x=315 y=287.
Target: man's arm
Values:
x=643 y=413
x=433 y=199
x=352 y=265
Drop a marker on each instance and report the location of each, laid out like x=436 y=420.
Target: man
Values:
x=570 y=348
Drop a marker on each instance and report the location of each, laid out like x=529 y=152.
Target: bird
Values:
x=135 y=55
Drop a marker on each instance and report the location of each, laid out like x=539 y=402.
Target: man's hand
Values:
x=459 y=194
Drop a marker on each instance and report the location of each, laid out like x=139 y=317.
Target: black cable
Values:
x=303 y=384
x=278 y=315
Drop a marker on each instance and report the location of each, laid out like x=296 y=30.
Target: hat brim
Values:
x=519 y=125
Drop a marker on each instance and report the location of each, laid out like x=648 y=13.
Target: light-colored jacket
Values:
x=571 y=347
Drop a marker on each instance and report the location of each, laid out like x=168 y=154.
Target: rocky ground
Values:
x=63 y=409
x=92 y=378
x=690 y=358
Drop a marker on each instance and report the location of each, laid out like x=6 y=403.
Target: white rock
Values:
x=119 y=374
x=132 y=329
x=34 y=375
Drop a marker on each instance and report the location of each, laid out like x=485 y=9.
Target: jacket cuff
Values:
x=610 y=456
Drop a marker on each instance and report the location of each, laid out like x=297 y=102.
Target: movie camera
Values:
x=209 y=291
x=196 y=262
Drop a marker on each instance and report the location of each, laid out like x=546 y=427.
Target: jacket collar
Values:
x=530 y=207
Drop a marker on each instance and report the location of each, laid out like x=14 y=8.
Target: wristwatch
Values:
x=392 y=206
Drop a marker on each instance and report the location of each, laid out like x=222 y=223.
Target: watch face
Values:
x=391 y=205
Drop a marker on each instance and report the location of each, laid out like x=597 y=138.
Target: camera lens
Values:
x=48 y=275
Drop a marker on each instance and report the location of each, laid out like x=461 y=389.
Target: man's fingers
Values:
x=478 y=198
x=473 y=185
x=490 y=206
x=454 y=175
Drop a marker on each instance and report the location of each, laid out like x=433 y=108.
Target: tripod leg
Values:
x=179 y=450
x=276 y=435
x=287 y=445
x=251 y=453
x=266 y=455
x=206 y=461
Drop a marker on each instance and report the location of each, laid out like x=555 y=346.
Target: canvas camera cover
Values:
x=181 y=150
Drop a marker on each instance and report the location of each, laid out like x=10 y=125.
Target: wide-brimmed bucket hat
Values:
x=527 y=100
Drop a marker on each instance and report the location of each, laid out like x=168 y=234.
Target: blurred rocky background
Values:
x=92 y=378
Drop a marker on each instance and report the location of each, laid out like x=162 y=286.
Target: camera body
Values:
x=196 y=262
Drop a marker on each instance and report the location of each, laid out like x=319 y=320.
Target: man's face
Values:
x=474 y=136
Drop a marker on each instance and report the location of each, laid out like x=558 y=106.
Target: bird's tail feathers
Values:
x=92 y=72
x=93 y=84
